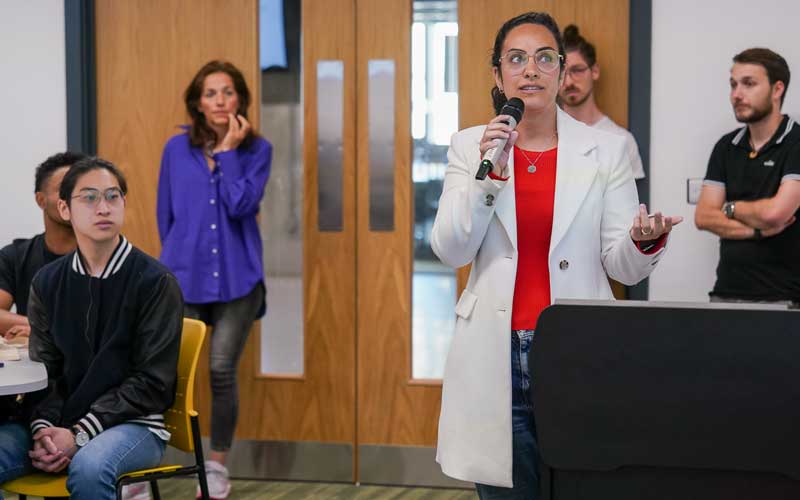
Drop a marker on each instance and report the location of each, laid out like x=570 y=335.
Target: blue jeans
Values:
x=15 y=442
x=525 y=473
x=93 y=472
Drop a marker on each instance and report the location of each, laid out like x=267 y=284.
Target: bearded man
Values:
x=577 y=96
x=751 y=192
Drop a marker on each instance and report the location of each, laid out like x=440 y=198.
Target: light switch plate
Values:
x=693 y=188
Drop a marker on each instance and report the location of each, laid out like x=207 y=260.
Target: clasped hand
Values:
x=53 y=449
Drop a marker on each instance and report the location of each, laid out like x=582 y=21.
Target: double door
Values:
x=357 y=408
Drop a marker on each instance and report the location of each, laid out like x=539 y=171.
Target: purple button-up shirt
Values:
x=207 y=219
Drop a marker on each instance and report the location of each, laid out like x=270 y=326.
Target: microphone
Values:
x=514 y=108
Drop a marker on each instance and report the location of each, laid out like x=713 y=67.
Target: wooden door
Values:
x=397 y=415
x=291 y=427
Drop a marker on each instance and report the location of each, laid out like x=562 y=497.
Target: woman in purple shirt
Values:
x=211 y=183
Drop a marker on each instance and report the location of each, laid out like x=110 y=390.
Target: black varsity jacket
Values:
x=110 y=344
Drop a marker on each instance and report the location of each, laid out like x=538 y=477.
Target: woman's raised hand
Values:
x=238 y=128
x=647 y=228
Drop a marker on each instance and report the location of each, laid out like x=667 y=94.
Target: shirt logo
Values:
x=769 y=163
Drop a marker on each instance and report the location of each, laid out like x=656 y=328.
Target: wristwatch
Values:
x=729 y=209
x=81 y=436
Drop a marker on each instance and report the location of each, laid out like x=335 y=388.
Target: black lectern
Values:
x=651 y=401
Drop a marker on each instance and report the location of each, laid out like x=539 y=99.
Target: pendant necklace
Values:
x=754 y=152
x=532 y=164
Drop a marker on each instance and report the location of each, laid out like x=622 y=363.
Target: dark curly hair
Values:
x=574 y=41
x=200 y=133
x=540 y=18
x=55 y=162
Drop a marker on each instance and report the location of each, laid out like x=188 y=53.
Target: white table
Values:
x=19 y=377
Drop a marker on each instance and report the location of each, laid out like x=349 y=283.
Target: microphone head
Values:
x=514 y=107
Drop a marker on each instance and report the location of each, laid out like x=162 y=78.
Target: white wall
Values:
x=33 y=103
x=693 y=43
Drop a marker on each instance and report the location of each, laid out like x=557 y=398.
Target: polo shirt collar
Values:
x=742 y=139
x=114 y=264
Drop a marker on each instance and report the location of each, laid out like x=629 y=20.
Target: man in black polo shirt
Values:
x=20 y=260
x=751 y=192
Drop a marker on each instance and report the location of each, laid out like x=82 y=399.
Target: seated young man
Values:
x=21 y=259
x=106 y=321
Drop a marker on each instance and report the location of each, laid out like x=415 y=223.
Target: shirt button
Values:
x=212 y=201
x=216 y=274
x=213 y=227
x=563 y=265
x=212 y=181
x=489 y=200
x=213 y=250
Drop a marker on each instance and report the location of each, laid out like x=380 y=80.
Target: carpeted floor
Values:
x=274 y=490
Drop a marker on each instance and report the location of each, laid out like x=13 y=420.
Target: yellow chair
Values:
x=181 y=421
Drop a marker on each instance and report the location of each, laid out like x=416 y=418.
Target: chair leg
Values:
x=154 y=490
x=201 y=476
x=198 y=455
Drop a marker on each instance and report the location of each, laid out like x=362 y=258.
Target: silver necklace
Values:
x=532 y=164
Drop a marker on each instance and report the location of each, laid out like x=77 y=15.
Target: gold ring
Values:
x=645 y=233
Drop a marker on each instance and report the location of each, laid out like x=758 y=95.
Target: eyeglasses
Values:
x=547 y=60
x=91 y=197
x=576 y=71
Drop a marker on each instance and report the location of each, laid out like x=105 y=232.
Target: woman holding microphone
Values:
x=557 y=214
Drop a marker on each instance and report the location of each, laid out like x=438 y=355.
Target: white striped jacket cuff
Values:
x=91 y=425
x=40 y=424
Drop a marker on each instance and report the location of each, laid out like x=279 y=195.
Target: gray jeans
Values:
x=230 y=323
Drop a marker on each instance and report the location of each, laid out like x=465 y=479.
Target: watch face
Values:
x=728 y=209
x=81 y=438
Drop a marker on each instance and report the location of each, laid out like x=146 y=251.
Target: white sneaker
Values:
x=219 y=487
x=136 y=491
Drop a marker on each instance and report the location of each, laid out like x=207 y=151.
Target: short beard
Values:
x=579 y=102
x=757 y=114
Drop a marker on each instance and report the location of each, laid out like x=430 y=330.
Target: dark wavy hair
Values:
x=574 y=41
x=540 y=18
x=50 y=165
x=200 y=133
x=86 y=165
x=777 y=69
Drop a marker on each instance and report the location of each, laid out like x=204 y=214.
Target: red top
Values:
x=535 y=194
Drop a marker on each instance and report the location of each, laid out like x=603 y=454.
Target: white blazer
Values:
x=595 y=203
